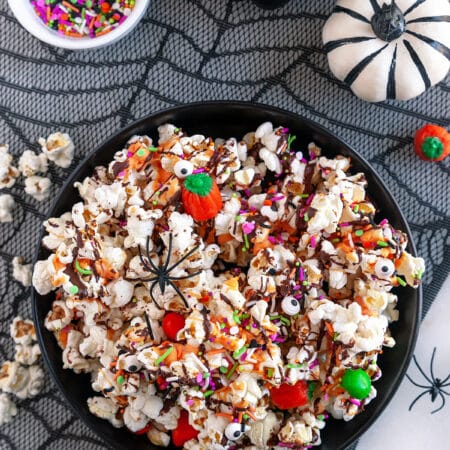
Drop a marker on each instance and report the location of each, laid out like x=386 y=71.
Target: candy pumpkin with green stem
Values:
x=432 y=143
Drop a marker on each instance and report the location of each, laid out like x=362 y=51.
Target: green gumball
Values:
x=357 y=383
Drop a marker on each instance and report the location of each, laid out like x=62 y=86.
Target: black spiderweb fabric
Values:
x=183 y=51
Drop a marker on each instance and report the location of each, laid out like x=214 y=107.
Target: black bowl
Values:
x=227 y=119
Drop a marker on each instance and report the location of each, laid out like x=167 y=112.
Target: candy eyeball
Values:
x=290 y=305
x=234 y=431
x=183 y=168
x=131 y=363
x=384 y=268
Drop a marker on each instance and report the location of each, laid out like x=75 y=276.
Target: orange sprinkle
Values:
x=227 y=416
x=103 y=32
x=252 y=416
x=215 y=351
x=329 y=328
x=70 y=6
x=240 y=417
x=268 y=202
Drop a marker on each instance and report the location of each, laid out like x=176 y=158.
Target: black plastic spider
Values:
x=435 y=387
x=162 y=276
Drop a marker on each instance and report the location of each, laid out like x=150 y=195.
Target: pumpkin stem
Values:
x=389 y=23
x=199 y=183
x=432 y=147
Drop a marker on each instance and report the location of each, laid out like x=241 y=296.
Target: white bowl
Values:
x=27 y=17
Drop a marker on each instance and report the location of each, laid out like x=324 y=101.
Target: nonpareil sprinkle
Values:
x=83 y=18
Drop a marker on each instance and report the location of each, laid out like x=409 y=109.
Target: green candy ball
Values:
x=357 y=383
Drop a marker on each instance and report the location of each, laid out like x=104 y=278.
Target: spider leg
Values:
x=189 y=253
x=442 y=405
x=149 y=326
x=169 y=253
x=177 y=290
x=147 y=250
x=417 y=398
x=421 y=370
x=445 y=392
x=416 y=384
x=443 y=382
x=191 y=275
x=152 y=288
x=431 y=364
x=144 y=262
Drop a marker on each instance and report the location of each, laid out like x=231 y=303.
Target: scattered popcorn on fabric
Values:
x=266 y=305
x=30 y=163
x=7 y=205
x=58 y=148
x=21 y=271
x=7 y=409
x=8 y=173
x=38 y=187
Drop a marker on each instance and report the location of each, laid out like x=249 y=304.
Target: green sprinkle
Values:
x=200 y=353
x=297 y=263
x=134 y=300
x=274 y=317
x=237 y=353
x=401 y=281
x=141 y=152
x=238 y=218
x=236 y=317
x=335 y=240
x=311 y=389
x=244 y=316
x=120 y=379
x=306 y=217
x=356 y=208
x=208 y=393
x=245 y=416
x=222 y=326
x=270 y=372
x=248 y=327
x=382 y=244
x=419 y=274
x=153 y=149
x=73 y=289
x=295 y=366
x=285 y=320
x=81 y=270
x=359 y=232
x=223 y=369
x=335 y=336
x=176 y=130
x=164 y=356
x=233 y=369
x=206 y=375
x=304 y=195
x=247 y=245
x=321 y=417
x=291 y=139
x=305 y=283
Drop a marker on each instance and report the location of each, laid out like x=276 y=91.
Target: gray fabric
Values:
x=190 y=50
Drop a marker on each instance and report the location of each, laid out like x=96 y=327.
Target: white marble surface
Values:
x=398 y=428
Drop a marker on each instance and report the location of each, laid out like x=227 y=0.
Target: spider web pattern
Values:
x=183 y=51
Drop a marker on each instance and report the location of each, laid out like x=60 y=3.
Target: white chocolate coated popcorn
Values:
x=59 y=148
x=6 y=208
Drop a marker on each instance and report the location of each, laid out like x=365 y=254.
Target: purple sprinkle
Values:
x=301 y=274
x=254 y=325
x=383 y=222
x=122 y=173
x=130 y=154
x=189 y=402
x=200 y=170
x=354 y=401
x=285 y=130
x=314 y=364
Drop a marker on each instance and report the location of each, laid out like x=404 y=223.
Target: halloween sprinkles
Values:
x=225 y=293
x=83 y=18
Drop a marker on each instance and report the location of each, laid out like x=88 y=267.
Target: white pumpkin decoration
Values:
x=389 y=50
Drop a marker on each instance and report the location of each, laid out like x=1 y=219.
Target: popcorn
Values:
x=21 y=272
x=288 y=285
x=27 y=355
x=24 y=382
x=22 y=331
x=58 y=147
x=7 y=409
x=38 y=187
x=30 y=164
x=8 y=173
x=6 y=208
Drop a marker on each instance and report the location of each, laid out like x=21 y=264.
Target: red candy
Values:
x=184 y=431
x=172 y=324
x=143 y=430
x=289 y=396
